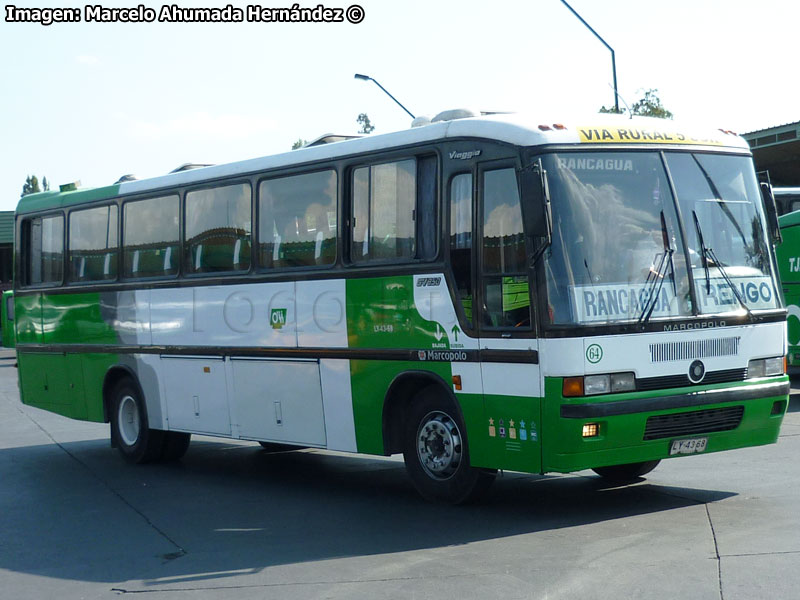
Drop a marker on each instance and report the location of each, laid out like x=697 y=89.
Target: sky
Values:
x=93 y=101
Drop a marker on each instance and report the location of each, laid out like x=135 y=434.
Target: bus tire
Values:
x=176 y=443
x=130 y=432
x=436 y=453
x=626 y=473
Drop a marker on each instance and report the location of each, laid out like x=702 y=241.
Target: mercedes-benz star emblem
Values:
x=697 y=370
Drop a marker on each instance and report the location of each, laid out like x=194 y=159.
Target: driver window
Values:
x=506 y=293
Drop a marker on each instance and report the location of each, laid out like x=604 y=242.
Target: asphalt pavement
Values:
x=231 y=520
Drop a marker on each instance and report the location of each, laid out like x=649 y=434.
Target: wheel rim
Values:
x=439 y=445
x=128 y=420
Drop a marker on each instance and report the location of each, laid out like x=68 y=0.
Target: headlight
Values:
x=766 y=367
x=592 y=385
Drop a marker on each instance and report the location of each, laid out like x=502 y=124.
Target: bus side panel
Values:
x=28 y=312
x=370 y=380
x=79 y=318
x=53 y=381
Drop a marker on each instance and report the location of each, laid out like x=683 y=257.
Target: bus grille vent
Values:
x=672 y=381
x=695 y=422
x=669 y=351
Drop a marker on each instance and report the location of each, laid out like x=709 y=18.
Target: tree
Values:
x=366 y=126
x=648 y=105
x=299 y=144
x=31 y=186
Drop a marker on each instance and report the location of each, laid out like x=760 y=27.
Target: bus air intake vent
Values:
x=692 y=423
x=669 y=351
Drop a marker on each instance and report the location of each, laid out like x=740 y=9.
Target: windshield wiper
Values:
x=703 y=251
x=708 y=253
x=657 y=277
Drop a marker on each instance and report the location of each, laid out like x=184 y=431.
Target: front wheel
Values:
x=626 y=473
x=130 y=432
x=436 y=452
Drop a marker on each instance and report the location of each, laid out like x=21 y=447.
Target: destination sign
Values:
x=621 y=302
x=642 y=135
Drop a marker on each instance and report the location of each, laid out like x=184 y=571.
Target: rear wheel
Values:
x=626 y=473
x=436 y=452
x=130 y=432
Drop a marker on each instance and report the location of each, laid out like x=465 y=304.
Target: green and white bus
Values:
x=788 y=253
x=477 y=293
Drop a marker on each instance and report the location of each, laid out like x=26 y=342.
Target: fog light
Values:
x=778 y=407
x=591 y=430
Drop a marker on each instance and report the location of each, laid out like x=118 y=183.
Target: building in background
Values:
x=776 y=150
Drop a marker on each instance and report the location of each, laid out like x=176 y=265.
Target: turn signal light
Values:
x=572 y=387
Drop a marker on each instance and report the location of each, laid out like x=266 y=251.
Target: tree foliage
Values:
x=648 y=105
x=299 y=144
x=32 y=185
x=366 y=125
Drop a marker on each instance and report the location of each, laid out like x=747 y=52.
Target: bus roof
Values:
x=517 y=129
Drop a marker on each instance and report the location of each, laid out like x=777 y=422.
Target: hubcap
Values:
x=128 y=420
x=439 y=445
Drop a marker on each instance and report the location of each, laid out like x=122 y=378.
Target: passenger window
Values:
x=461 y=239
x=44 y=242
x=297 y=220
x=384 y=203
x=151 y=237
x=218 y=229
x=93 y=244
x=506 y=287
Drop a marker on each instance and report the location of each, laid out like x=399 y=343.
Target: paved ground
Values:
x=233 y=521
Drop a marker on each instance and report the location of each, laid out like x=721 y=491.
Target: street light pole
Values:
x=613 y=60
x=385 y=91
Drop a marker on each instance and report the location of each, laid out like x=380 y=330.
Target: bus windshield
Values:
x=619 y=254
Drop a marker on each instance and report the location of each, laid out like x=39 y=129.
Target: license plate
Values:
x=690 y=446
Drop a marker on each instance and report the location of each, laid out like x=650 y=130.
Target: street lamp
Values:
x=368 y=78
x=613 y=61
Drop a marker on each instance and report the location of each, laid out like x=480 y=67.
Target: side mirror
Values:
x=536 y=215
x=772 y=213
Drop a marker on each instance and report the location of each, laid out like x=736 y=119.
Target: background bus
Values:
x=477 y=293
x=7 y=319
x=787 y=199
x=788 y=253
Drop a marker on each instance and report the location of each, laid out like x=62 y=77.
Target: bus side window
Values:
x=426 y=214
x=43 y=239
x=461 y=239
x=383 y=209
x=93 y=244
x=150 y=237
x=505 y=277
x=218 y=229
x=297 y=220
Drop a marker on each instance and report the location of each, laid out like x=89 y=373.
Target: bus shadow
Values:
x=794 y=403
x=231 y=511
